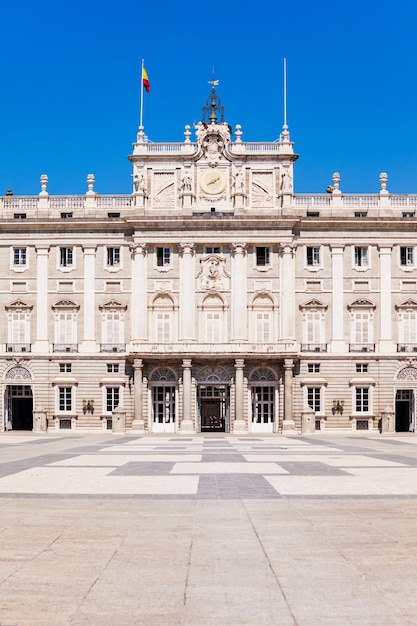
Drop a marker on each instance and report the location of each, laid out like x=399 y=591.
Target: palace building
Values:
x=213 y=298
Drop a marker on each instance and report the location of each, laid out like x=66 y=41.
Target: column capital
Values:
x=138 y=248
x=137 y=364
x=89 y=248
x=186 y=363
x=186 y=248
x=238 y=248
x=288 y=364
x=42 y=248
x=239 y=363
x=287 y=247
x=337 y=248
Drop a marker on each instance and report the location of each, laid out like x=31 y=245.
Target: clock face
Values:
x=213 y=181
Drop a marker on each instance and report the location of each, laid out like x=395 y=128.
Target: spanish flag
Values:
x=145 y=80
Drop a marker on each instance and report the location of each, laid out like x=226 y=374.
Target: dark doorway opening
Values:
x=20 y=407
x=404 y=411
x=214 y=406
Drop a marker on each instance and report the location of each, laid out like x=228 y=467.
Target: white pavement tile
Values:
x=334 y=461
x=95 y=481
x=117 y=460
x=218 y=467
x=363 y=482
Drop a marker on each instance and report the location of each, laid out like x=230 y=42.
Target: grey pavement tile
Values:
x=142 y=468
x=221 y=457
x=308 y=468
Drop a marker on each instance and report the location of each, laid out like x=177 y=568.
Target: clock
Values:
x=213 y=181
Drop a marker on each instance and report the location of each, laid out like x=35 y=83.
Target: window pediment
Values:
x=408 y=304
x=113 y=304
x=313 y=304
x=362 y=303
x=18 y=305
x=65 y=304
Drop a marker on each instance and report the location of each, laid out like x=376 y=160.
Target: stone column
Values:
x=139 y=293
x=288 y=292
x=89 y=337
x=239 y=293
x=187 y=293
x=386 y=343
x=338 y=343
x=138 y=423
x=239 y=424
x=186 y=425
x=288 y=423
x=43 y=316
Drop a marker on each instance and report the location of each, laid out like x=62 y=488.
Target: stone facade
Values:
x=211 y=298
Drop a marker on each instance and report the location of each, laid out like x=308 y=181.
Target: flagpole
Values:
x=141 y=96
x=285 y=91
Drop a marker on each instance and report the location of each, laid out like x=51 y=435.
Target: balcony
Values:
x=406 y=347
x=314 y=347
x=65 y=347
x=18 y=347
x=361 y=347
x=220 y=349
x=112 y=347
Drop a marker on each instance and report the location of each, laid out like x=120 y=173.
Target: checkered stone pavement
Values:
x=204 y=467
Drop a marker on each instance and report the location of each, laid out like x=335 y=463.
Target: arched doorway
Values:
x=213 y=399
x=18 y=400
x=163 y=384
x=264 y=389
x=405 y=400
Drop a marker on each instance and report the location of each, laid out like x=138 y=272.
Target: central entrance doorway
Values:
x=214 y=408
x=19 y=407
x=404 y=411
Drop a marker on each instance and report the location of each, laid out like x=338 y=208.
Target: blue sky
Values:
x=70 y=86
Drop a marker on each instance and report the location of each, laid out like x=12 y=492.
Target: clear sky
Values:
x=70 y=86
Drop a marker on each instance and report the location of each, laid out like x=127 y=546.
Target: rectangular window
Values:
x=213 y=327
x=313 y=398
x=65 y=367
x=112 y=398
x=362 y=399
x=263 y=327
x=163 y=327
x=65 y=257
x=112 y=368
x=313 y=368
x=361 y=327
x=313 y=256
x=406 y=255
x=262 y=256
x=362 y=367
x=113 y=327
x=212 y=250
x=163 y=256
x=361 y=256
x=19 y=256
x=313 y=326
x=113 y=256
x=65 y=398
x=408 y=328
x=65 y=329
x=19 y=329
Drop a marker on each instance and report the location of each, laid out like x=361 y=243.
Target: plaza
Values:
x=100 y=529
